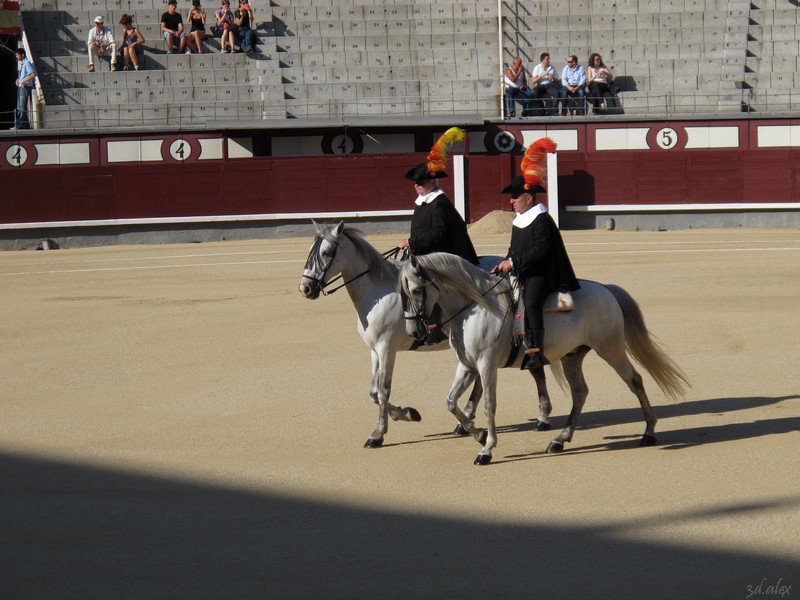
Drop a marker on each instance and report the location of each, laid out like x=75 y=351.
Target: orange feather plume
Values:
x=437 y=159
x=534 y=162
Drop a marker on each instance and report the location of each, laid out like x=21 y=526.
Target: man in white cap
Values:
x=101 y=43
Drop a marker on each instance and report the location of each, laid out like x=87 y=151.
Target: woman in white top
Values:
x=598 y=78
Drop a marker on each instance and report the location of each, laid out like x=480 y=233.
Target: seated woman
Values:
x=224 y=27
x=197 y=17
x=598 y=78
x=132 y=43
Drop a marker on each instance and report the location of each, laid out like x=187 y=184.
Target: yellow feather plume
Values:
x=437 y=159
x=534 y=162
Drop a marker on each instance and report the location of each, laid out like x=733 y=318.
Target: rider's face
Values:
x=522 y=203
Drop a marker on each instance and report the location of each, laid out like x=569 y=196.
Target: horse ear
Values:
x=316 y=227
x=338 y=229
x=413 y=260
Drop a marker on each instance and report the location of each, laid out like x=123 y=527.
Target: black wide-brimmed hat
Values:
x=422 y=173
x=519 y=187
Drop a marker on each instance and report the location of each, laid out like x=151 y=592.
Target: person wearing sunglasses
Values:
x=573 y=85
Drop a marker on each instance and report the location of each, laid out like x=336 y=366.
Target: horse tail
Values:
x=646 y=351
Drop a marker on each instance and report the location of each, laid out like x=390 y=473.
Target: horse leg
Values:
x=489 y=408
x=471 y=406
x=573 y=371
x=464 y=377
x=629 y=375
x=381 y=386
x=545 y=407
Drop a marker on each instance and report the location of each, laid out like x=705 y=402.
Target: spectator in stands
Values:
x=573 y=84
x=224 y=27
x=197 y=17
x=244 y=19
x=599 y=77
x=101 y=43
x=172 y=29
x=132 y=40
x=545 y=76
x=25 y=82
x=517 y=87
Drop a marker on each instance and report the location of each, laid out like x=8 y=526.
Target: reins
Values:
x=499 y=281
x=389 y=253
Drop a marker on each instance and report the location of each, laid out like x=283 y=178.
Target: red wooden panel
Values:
x=33 y=195
x=660 y=178
x=714 y=177
x=142 y=191
x=767 y=176
x=87 y=207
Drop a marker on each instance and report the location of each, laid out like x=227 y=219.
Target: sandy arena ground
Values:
x=177 y=422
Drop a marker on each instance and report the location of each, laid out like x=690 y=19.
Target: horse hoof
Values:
x=555 y=447
x=414 y=415
x=373 y=443
x=648 y=440
x=542 y=426
x=483 y=459
x=483 y=438
x=459 y=430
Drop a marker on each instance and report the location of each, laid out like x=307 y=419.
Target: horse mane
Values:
x=376 y=262
x=462 y=277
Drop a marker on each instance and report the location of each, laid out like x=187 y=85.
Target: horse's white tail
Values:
x=645 y=350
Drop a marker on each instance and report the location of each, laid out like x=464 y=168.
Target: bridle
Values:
x=314 y=256
x=415 y=311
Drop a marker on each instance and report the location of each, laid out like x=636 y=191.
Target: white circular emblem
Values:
x=505 y=141
x=667 y=138
x=180 y=149
x=16 y=155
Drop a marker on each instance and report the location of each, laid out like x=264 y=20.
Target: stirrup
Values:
x=534 y=359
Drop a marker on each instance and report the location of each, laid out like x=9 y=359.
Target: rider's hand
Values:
x=504 y=267
x=403 y=244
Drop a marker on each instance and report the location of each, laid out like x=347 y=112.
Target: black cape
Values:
x=538 y=250
x=437 y=227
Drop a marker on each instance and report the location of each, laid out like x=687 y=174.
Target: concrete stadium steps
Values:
x=328 y=58
x=672 y=50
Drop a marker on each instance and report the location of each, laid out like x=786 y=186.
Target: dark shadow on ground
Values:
x=73 y=532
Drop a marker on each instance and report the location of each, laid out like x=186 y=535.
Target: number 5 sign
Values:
x=668 y=138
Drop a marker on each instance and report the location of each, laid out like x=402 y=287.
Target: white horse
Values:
x=371 y=282
x=476 y=312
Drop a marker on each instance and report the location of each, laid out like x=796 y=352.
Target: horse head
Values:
x=418 y=295
x=321 y=261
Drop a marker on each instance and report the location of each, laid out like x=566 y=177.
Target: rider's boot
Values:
x=534 y=357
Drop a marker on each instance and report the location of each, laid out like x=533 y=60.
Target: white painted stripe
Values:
x=151 y=267
x=74 y=153
x=640 y=208
x=240 y=147
x=210 y=149
x=302 y=260
x=565 y=139
x=211 y=219
x=633 y=138
x=712 y=137
x=134 y=151
x=778 y=136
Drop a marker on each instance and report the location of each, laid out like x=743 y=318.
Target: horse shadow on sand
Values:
x=668 y=439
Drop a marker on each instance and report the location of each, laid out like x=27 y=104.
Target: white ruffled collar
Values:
x=522 y=220
x=427 y=199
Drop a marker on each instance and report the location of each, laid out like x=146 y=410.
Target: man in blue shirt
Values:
x=573 y=83
x=27 y=75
